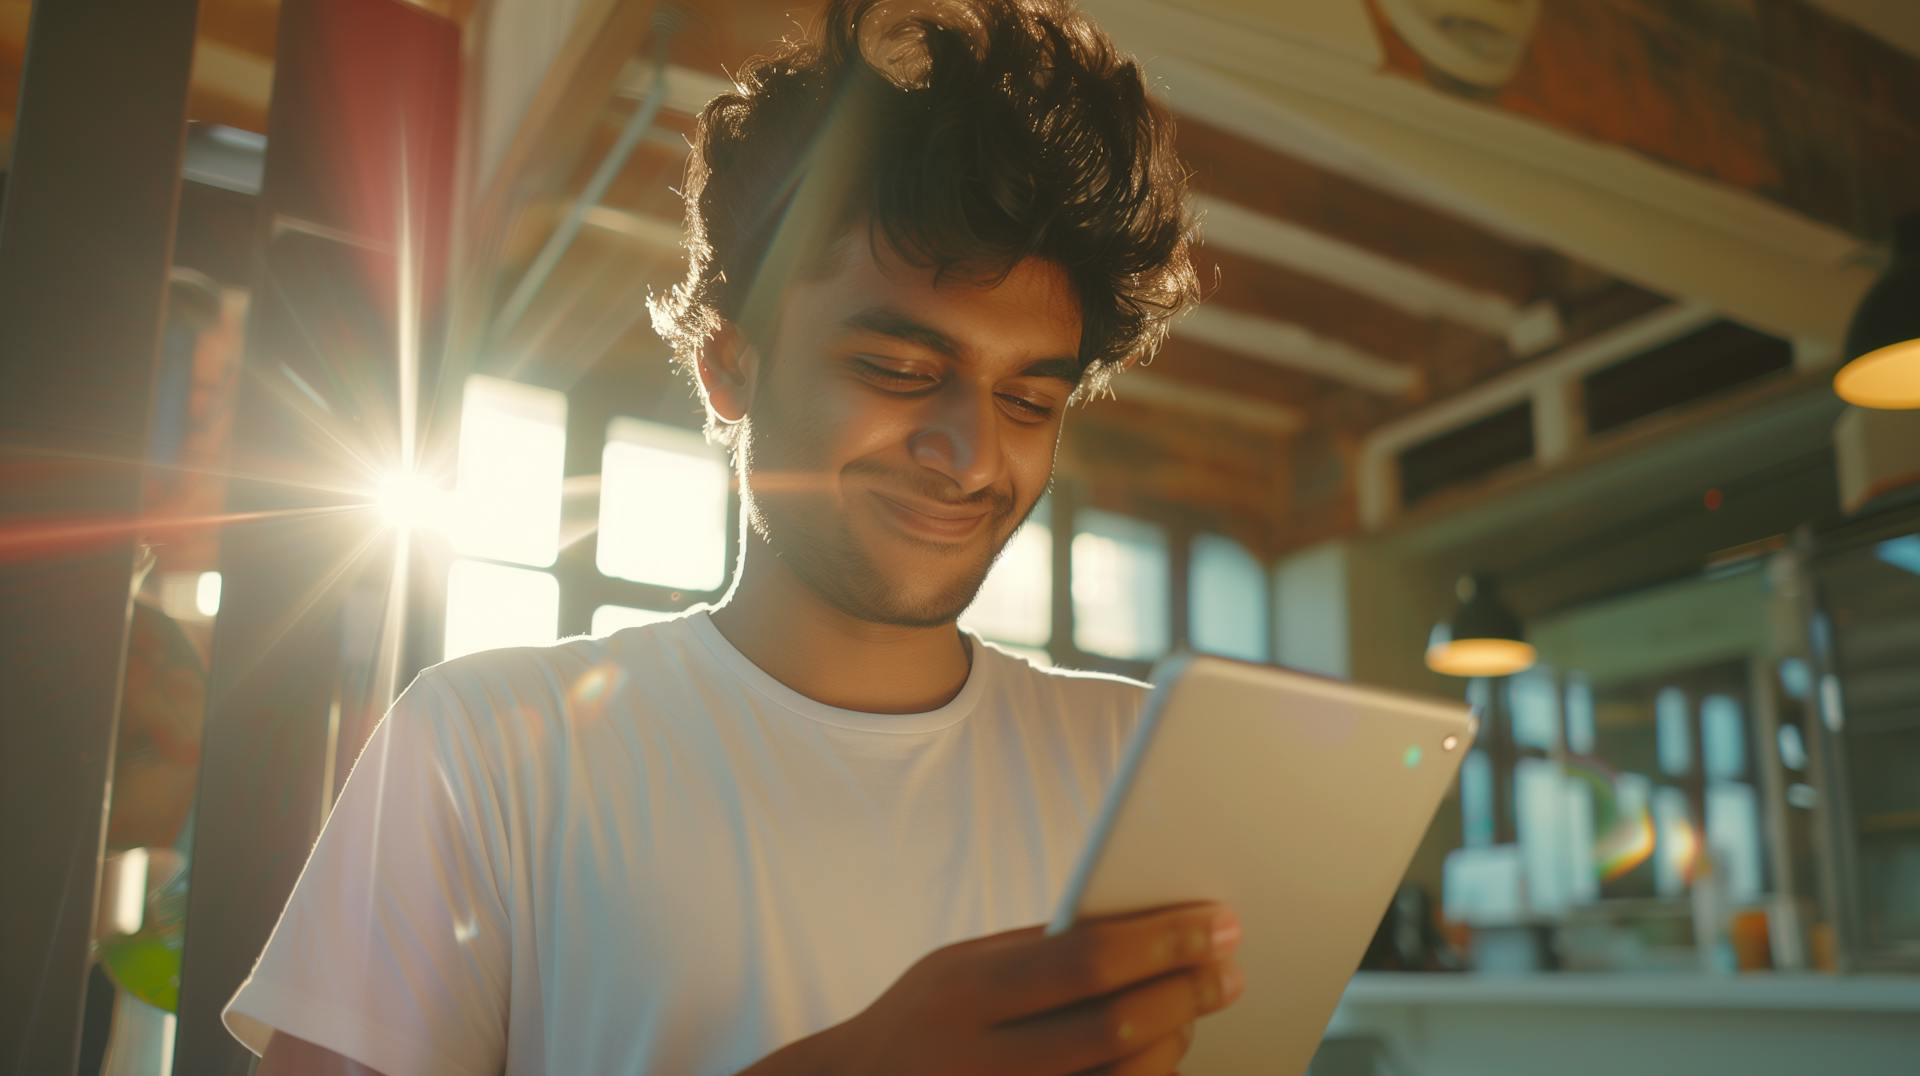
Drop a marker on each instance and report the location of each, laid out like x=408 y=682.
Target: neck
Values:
x=784 y=627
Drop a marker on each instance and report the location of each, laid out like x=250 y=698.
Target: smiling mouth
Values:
x=945 y=523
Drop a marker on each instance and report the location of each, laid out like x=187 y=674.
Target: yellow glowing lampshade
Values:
x=1481 y=657
x=1883 y=339
x=1482 y=638
x=1887 y=379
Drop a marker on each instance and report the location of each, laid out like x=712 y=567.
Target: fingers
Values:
x=1102 y=956
x=1158 y=1059
x=1109 y=1029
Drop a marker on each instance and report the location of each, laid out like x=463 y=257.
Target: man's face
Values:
x=901 y=430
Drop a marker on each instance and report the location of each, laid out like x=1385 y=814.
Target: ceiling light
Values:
x=1483 y=637
x=1883 y=340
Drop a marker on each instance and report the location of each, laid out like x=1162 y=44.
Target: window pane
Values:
x=1733 y=832
x=663 y=507
x=1539 y=800
x=1626 y=838
x=1723 y=737
x=1120 y=579
x=1673 y=730
x=1793 y=748
x=513 y=441
x=1583 y=879
x=1476 y=800
x=1536 y=718
x=1229 y=600
x=492 y=605
x=1015 y=604
x=1676 y=840
x=611 y=618
x=1579 y=715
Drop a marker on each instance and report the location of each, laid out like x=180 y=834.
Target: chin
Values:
x=922 y=597
x=874 y=574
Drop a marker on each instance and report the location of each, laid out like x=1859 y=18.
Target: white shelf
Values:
x=1760 y=991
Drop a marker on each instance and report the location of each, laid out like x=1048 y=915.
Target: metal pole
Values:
x=86 y=237
x=603 y=176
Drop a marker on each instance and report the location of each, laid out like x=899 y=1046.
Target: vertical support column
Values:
x=1180 y=589
x=340 y=346
x=86 y=236
x=1827 y=764
x=1783 y=912
x=1559 y=426
x=1063 y=506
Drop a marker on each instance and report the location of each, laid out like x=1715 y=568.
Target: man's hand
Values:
x=1116 y=996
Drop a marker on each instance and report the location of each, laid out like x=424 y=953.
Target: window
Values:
x=1476 y=799
x=1228 y=589
x=493 y=605
x=513 y=441
x=1120 y=581
x=1723 y=737
x=663 y=507
x=1015 y=604
x=1532 y=699
x=1676 y=842
x=1734 y=835
x=611 y=618
x=1579 y=715
x=1673 y=732
x=1545 y=853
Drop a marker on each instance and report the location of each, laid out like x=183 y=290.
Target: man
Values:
x=809 y=830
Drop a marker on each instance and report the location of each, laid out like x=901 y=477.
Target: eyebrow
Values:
x=886 y=321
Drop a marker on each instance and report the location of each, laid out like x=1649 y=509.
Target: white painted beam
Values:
x=655 y=232
x=1622 y=212
x=1285 y=344
x=1228 y=226
x=688 y=91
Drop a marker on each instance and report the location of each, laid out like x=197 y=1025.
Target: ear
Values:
x=729 y=369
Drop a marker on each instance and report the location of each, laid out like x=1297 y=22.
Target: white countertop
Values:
x=1764 y=990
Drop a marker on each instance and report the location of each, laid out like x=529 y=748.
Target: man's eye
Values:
x=1027 y=408
x=889 y=376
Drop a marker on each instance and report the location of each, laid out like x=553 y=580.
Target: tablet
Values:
x=1297 y=800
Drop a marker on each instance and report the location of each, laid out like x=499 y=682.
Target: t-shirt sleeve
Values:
x=393 y=949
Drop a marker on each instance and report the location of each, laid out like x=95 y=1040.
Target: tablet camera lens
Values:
x=1450 y=742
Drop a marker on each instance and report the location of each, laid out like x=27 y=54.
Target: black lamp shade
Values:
x=1883 y=340
x=1482 y=638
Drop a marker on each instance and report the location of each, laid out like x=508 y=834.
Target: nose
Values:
x=960 y=438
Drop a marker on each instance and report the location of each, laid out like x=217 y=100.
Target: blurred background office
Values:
x=1560 y=354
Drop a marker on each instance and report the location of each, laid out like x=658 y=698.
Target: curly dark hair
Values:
x=969 y=134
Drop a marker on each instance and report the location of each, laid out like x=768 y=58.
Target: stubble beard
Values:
x=818 y=546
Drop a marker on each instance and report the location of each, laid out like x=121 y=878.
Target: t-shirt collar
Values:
x=700 y=622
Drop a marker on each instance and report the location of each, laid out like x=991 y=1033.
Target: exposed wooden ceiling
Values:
x=232 y=63
x=1343 y=294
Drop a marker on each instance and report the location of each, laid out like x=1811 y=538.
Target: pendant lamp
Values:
x=1883 y=340
x=1482 y=638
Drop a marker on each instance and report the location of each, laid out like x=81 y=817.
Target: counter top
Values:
x=1758 y=991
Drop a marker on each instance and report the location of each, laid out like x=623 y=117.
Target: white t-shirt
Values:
x=643 y=854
